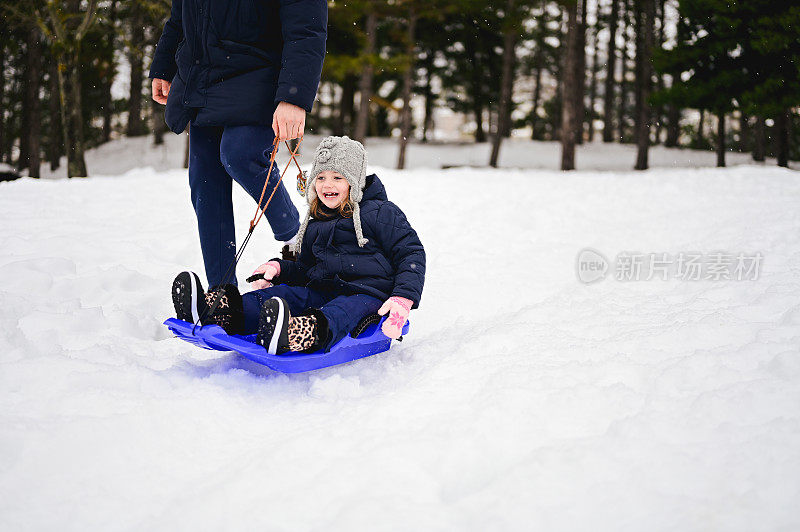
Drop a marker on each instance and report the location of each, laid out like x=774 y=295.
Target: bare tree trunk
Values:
x=427 y=123
x=629 y=87
x=24 y=135
x=760 y=139
x=76 y=165
x=673 y=125
x=580 y=73
x=569 y=114
x=593 y=85
x=622 y=102
x=638 y=80
x=506 y=83
x=645 y=74
x=538 y=64
x=659 y=111
x=55 y=148
x=29 y=138
x=69 y=88
x=560 y=69
x=136 y=125
x=477 y=92
x=66 y=118
x=721 y=139
x=28 y=96
x=611 y=63
x=108 y=113
x=345 y=106
x=744 y=132
x=2 y=106
x=782 y=138
x=33 y=86
x=408 y=85
x=537 y=96
x=701 y=129
x=108 y=103
x=673 y=111
x=367 y=73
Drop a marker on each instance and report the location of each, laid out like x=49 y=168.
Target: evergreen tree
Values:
x=65 y=24
x=771 y=65
x=709 y=59
x=511 y=30
x=474 y=61
x=543 y=60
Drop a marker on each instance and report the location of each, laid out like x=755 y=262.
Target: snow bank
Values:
x=523 y=399
x=126 y=154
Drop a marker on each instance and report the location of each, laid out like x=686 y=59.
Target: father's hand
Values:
x=289 y=121
x=161 y=90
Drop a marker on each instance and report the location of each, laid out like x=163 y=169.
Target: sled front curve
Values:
x=370 y=342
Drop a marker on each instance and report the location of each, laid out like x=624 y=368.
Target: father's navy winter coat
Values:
x=232 y=61
x=392 y=263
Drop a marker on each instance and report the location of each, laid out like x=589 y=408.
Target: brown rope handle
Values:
x=256 y=218
x=292 y=157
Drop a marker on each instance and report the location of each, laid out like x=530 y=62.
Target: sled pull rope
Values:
x=292 y=157
x=254 y=222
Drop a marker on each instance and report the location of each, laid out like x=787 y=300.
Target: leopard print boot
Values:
x=302 y=333
x=229 y=313
x=308 y=333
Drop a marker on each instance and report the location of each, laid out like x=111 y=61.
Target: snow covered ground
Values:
x=523 y=399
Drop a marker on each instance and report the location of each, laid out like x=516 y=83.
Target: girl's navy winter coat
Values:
x=232 y=61
x=392 y=263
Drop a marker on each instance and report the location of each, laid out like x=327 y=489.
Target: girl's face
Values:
x=331 y=188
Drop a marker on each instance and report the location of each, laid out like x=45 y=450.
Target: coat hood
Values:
x=374 y=189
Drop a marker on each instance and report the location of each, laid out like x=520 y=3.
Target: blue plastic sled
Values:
x=370 y=342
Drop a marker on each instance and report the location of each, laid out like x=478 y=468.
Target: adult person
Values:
x=239 y=73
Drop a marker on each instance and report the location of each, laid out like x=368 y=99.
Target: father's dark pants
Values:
x=217 y=156
x=343 y=312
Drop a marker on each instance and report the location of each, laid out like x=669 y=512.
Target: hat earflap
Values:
x=357 y=224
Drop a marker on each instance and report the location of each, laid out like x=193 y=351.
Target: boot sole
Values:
x=273 y=324
x=185 y=288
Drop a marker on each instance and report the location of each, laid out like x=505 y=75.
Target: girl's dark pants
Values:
x=217 y=157
x=343 y=312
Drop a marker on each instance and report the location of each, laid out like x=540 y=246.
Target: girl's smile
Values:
x=332 y=188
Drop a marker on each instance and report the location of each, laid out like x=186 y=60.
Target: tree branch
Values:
x=88 y=20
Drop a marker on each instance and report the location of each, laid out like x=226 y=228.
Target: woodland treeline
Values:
x=707 y=74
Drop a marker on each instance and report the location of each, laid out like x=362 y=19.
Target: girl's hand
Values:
x=269 y=270
x=161 y=90
x=398 y=309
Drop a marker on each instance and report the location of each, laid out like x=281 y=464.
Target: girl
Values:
x=358 y=255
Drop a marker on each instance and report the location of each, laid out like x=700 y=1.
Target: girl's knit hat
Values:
x=349 y=158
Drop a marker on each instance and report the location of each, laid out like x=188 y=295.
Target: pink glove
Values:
x=270 y=270
x=398 y=309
